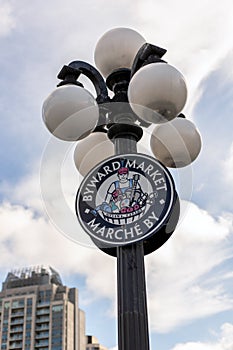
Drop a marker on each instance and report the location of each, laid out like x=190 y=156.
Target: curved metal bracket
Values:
x=69 y=74
x=147 y=54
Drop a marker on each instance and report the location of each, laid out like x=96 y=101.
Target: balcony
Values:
x=17 y=314
x=43 y=304
x=17 y=306
x=41 y=344
x=43 y=312
x=16 y=329
x=16 y=337
x=16 y=345
x=42 y=319
x=42 y=327
x=42 y=335
x=17 y=321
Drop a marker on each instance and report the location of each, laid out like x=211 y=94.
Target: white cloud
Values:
x=6 y=18
x=180 y=273
x=27 y=239
x=228 y=166
x=195 y=34
x=224 y=341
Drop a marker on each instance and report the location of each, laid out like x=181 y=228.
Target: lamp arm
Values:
x=69 y=74
x=147 y=54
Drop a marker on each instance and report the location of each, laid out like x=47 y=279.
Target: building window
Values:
x=29 y=311
x=48 y=295
x=28 y=342
x=57 y=323
x=18 y=303
x=29 y=301
x=4 y=337
x=57 y=308
x=6 y=305
x=28 y=334
x=28 y=325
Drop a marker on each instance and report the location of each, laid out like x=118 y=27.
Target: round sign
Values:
x=125 y=199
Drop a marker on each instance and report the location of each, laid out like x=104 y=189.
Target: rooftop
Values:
x=28 y=276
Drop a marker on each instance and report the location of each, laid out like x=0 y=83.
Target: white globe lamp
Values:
x=70 y=112
x=117 y=49
x=177 y=143
x=92 y=150
x=157 y=92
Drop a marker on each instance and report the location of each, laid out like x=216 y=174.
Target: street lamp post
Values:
x=127 y=202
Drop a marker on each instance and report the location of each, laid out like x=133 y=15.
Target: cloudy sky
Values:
x=189 y=279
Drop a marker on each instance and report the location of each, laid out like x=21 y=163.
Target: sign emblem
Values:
x=125 y=199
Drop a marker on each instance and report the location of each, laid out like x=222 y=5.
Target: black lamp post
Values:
x=126 y=203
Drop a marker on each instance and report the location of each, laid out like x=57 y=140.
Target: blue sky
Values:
x=189 y=280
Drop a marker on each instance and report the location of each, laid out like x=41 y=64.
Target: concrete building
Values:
x=37 y=312
x=93 y=343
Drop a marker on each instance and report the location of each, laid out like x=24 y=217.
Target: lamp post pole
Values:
x=131 y=285
x=126 y=203
x=132 y=303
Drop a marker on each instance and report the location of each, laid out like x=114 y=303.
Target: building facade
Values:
x=93 y=344
x=37 y=312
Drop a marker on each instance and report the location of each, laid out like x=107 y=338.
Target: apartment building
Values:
x=37 y=312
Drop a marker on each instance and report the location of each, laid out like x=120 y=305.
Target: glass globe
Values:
x=92 y=150
x=157 y=92
x=70 y=112
x=117 y=49
x=177 y=143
